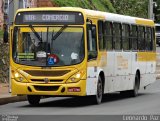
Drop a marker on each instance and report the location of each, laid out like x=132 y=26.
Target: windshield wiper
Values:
x=35 y=33
x=59 y=32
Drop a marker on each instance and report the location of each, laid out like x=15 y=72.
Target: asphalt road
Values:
x=148 y=102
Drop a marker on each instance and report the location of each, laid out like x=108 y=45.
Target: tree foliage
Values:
x=137 y=8
x=157 y=11
x=1 y=33
x=102 y=5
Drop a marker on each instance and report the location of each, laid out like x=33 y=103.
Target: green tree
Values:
x=102 y=5
x=157 y=11
x=1 y=34
x=137 y=8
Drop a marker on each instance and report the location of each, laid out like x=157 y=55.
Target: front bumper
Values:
x=49 y=89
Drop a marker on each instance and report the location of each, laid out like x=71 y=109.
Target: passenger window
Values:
x=101 y=35
x=117 y=36
x=141 y=38
x=108 y=36
x=91 y=41
x=125 y=36
x=134 y=39
x=153 y=39
x=148 y=38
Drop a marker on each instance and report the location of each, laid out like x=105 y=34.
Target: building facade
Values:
x=44 y=3
x=37 y=3
x=8 y=8
x=16 y=4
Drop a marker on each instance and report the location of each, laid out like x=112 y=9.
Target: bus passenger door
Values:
x=91 y=84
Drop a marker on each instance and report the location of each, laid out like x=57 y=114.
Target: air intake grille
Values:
x=42 y=80
x=46 y=88
x=47 y=73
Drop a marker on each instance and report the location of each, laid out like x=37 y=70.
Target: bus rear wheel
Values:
x=134 y=92
x=33 y=99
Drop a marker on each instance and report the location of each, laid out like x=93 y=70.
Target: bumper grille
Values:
x=46 y=88
x=47 y=73
x=42 y=80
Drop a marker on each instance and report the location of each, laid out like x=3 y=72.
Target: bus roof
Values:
x=99 y=14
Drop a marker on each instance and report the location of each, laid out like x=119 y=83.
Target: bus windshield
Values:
x=48 y=46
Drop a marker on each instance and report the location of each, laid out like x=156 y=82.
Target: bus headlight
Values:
x=76 y=77
x=18 y=77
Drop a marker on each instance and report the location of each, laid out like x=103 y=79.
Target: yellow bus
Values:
x=67 y=51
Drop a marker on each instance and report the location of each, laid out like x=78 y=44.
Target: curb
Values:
x=12 y=99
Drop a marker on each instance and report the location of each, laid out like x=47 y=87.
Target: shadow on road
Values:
x=83 y=101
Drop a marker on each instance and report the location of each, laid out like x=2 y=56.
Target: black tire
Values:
x=134 y=92
x=33 y=99
x=98 y=97
x=158 y=44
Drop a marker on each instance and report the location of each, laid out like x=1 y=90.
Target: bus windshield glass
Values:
x=48 y=46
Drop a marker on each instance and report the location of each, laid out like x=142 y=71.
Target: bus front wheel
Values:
x=99 y=93
x=33 y=99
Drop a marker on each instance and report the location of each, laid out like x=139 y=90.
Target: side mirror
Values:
x=5 y=37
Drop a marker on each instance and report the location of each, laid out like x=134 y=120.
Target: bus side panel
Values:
x=146 y=64
x=150 y=75
x=122 y=71
x=109 y=72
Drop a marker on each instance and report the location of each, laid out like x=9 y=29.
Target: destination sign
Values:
x=49 y=18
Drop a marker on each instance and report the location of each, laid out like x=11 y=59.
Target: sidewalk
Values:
x=6 y=97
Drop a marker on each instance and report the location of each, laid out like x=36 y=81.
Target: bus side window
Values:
x=148 y=39
x=117 y=36
x=91 y=42
x=101 y=35
x=141 y=38
x=134 y=38
x=153 y=43
x=125 y=36
x=109 y=35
